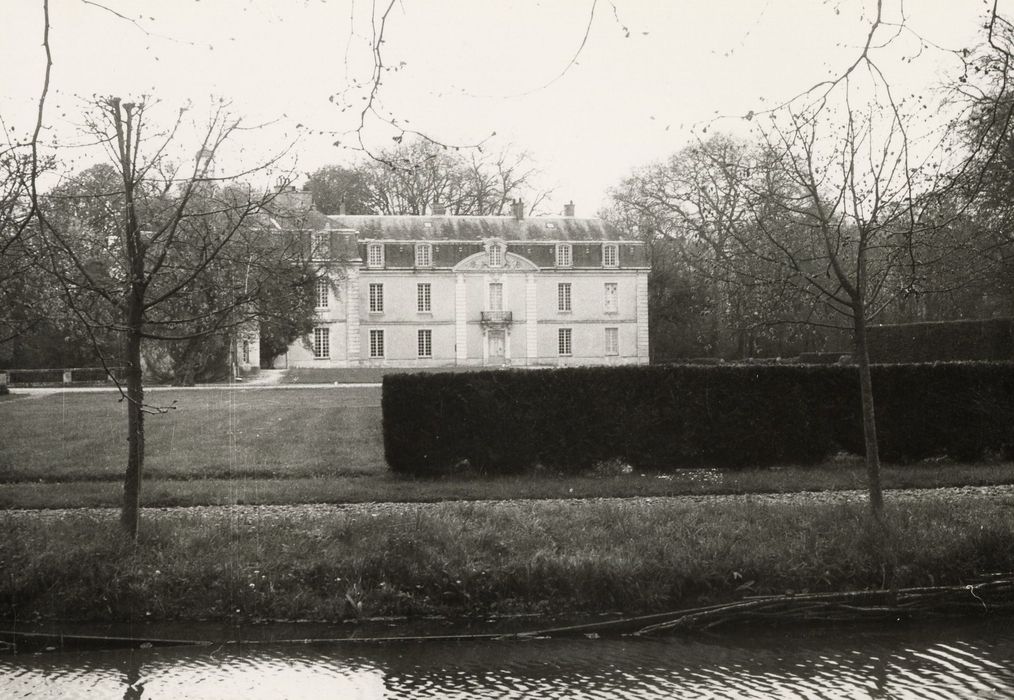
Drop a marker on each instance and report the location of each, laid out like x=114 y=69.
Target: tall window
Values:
x=375 y=255
x=376 y=298
x=423 y=255
x=321 y=245
x=563 y=296
x=425 y=343
x=610 y=255
x=323 y=292
x=422 y=295
x=563 y=341
x=322 y=343
x=495 y=255
x=376 y=343
x=612 y=298
x=563 y=257
x=495 y=296
x=612 y=341
x=246 y=352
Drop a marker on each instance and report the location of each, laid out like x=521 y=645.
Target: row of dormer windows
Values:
x=496 y=255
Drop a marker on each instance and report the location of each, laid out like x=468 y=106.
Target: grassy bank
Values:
x=387 y=487
x=477 y=559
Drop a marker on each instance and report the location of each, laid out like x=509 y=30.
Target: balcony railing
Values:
x=497 y=318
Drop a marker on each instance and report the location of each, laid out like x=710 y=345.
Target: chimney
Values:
x=289 y=201
x=342 y=211
x=519 y=209
x=439 y=209
x=568 y=209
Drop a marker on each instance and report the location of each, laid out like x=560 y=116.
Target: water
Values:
x=954 y=661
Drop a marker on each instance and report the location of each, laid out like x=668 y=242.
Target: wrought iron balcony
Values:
x=497 y=318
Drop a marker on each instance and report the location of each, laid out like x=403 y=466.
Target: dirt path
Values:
x=271 y=382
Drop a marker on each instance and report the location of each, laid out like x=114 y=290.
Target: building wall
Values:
x=530 y=294
x=248 y=348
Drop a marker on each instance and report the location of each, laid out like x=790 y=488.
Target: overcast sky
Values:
x=648 y=73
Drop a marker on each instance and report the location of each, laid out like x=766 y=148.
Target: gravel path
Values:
x=269 y=512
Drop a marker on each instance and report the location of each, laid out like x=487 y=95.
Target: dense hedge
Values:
x=984 y=339
x=97 y=374
x=689 y=416
x=55 y=376
x=35 y=376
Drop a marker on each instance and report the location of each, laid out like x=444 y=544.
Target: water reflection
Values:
x=920 y=662
x=135 y=686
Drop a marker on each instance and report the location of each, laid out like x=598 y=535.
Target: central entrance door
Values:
x=497 y=346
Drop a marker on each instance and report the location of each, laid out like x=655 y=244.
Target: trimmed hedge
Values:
x=666 y=417
x=55 y=376
x=974 y=340
x=97 y=374
x=35 y=376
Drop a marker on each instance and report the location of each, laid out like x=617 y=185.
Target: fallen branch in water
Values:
x=992 y=596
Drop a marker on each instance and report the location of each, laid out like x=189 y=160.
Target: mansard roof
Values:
x=477 y=228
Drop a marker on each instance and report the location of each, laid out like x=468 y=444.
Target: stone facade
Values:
x=429 y=291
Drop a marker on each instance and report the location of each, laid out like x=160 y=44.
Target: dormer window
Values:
x=610 y=255
x=496 y=255
x=563 y=255
x=321 y=245
x=423 y=255
x=375 y=255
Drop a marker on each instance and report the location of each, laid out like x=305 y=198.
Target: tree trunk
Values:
x=131 y=513
x=869 y=417
x=718 y=347
x=134 y=249
x=882 y=540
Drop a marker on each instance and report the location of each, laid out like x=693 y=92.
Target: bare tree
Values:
x=16 y=232
x=856 y=210
x=170 y=236
x=698 y=211
x=21 y=165
x=418 y=176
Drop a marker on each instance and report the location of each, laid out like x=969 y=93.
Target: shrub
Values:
x=36 y=376
x=666 y=417
x=97 y=374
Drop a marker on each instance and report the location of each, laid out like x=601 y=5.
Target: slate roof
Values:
x=476 y=228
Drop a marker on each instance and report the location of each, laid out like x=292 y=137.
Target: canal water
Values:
x=940 y=661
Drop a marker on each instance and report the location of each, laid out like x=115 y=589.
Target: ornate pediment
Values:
x=511 y=263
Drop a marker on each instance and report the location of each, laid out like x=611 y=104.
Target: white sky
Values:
x=470 y=68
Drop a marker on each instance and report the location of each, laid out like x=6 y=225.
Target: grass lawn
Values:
x=549 y=557
x=213 y=433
